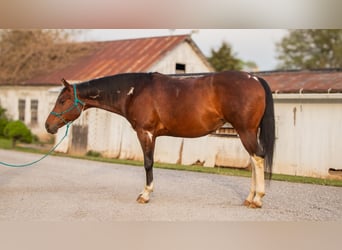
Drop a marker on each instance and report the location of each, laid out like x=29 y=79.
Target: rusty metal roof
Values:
x=297 y=81
x=308 y=81
x=113 y=57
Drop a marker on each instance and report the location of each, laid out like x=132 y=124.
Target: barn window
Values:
x=21 y=110
x=226 y=130
x=34 y=111
x=180 y=68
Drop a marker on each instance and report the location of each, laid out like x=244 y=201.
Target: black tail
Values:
x=267 y=130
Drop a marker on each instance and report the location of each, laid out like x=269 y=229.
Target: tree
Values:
x=224 y=59
x=28 y=53
x=310 y=49
x=17 y=131
x=250 y=66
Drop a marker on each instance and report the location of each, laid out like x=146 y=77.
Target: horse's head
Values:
x=67 y=109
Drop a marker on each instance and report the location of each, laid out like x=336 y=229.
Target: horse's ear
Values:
x=65 y=83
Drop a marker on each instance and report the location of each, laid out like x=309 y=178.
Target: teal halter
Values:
x=75 y=105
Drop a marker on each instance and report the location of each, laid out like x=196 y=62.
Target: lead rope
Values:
x=43 y=157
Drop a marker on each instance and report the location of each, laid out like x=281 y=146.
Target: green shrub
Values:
x=17 y=131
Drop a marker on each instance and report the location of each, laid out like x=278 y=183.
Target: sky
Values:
x=257 y=45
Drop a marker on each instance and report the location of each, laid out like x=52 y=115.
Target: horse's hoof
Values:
x=142 y=200
x=254 y=205
x=246 y=203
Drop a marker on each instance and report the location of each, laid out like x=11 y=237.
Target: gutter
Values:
x=307 y=96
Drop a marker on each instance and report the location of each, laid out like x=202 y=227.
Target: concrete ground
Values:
x=65 y=189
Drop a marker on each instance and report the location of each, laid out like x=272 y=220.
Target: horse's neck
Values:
x=99 y=96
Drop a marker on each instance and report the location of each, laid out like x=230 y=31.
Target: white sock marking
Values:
x=146 y=192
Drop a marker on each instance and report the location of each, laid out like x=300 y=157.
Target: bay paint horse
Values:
x=161 y=105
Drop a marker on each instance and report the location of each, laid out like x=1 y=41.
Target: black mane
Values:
x=113 y=87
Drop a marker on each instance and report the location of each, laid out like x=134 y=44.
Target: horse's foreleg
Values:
x=144 y=196
x=147 y=141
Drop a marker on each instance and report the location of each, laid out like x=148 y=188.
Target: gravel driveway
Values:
x=65 y=189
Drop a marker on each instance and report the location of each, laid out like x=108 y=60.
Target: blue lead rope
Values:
x=43 y=157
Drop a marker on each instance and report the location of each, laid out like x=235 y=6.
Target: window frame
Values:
x=21 y=110
x=34 y=111
x=180 y=68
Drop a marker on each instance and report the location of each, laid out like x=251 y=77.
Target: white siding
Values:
x=309 y=134
x=184 y=54
x=308 y=141
x=112 y=135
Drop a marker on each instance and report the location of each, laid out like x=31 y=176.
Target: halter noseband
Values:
x=75 y=105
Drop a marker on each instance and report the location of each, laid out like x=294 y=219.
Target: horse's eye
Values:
x=61 y=101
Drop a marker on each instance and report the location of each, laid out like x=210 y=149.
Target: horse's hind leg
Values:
x=251 y=194
x=257 y=189
x=258 y=167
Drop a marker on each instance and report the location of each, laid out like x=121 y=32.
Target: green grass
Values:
x=223 y=171
x=194 y=168
x=6 y=144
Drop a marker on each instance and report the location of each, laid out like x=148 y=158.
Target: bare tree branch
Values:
x=28 y=53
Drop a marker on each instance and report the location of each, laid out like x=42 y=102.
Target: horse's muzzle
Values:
x=51 y=129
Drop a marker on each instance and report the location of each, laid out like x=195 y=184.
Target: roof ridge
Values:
x=321 y=70
x=136 y=38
